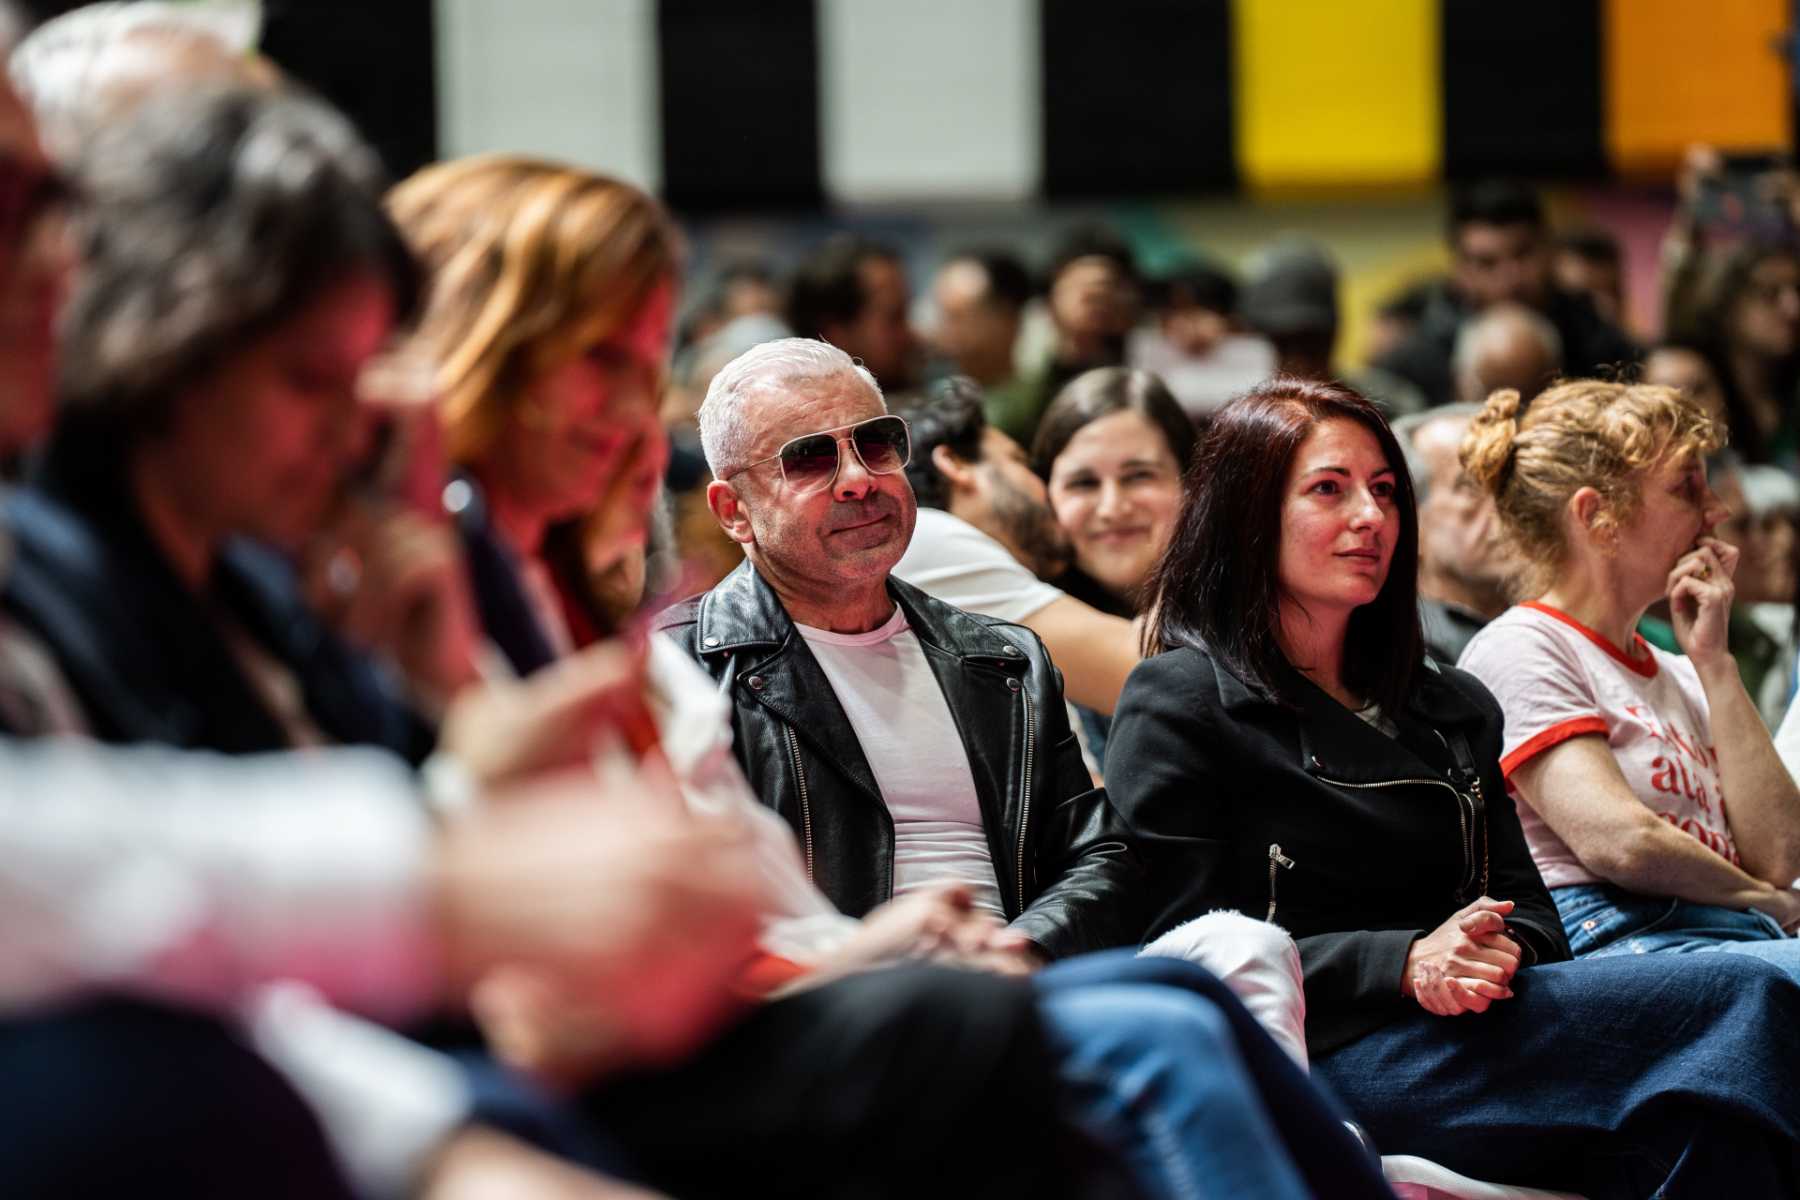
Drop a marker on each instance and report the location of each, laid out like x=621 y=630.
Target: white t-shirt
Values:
x=1556 y=679
x=951 y=560
x=886 y=688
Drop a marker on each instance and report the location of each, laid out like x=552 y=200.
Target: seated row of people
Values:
x=216 y=443
x=900 y=770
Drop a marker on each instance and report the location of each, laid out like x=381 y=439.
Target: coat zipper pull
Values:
x=1276 y=860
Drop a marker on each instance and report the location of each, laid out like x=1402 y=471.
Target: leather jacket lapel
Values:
x=743 y=616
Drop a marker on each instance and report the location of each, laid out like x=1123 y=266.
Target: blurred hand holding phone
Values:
x=1740 y=196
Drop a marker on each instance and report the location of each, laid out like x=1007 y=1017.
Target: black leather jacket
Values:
x=1355 y=842
x=1067 y=876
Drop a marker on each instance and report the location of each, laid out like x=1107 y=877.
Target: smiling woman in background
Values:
x=1113 y=448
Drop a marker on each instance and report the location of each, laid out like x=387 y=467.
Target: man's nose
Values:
x=853 y=479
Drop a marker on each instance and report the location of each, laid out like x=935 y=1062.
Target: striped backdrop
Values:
x=782 y=104
x=787 y=104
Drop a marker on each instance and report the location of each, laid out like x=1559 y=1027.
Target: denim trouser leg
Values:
x=1602 y=920
x=1613 y=1076
x=1246 y=1111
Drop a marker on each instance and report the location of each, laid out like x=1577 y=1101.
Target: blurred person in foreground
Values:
x=207 y=564
x=1500 y=251
x=547 y=337
x=1195 y=343
x=987 y=542
x=1505 y=346
x=1095 y=295
x=853 y=292
x=1293 y=754
x=235 y=875
x=1465 y=569
x=1290 y=297
x=94 y=64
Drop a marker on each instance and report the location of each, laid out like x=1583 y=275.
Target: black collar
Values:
x=743 y=612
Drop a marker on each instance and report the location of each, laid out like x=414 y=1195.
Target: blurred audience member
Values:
x=1691 y=370
x=1094 y=297
x=1113 y=448
x=1505 y=346
x=1763 y=503
x=1196 y=346
x=91 y=66
x=1465 y=569
x=548 y=330
x=987 y=539
x=1290 y=296
x=1749 y=320
x=237 y=275
x=1396 y=318
x=853 y=293
x=1588 y=262
x=980 y=298
x=1500 y=253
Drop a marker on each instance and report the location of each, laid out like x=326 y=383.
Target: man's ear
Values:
x=729 y=511
x=957 y=472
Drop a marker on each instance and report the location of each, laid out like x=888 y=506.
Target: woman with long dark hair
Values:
x=1290 y=754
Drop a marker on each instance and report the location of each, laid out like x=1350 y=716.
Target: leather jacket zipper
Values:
x=1025 y=807
x=1468 y=810
x=1277 y=861
x=793 y=744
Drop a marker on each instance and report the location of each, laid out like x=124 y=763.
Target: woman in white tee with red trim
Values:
x=1650 y=793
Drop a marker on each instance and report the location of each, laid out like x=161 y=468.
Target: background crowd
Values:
x=489 y=708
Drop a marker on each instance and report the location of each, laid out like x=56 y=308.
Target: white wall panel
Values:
x=572 y=79
x=929 y=99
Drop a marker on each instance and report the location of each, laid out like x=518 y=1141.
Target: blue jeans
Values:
x=1602 y=920
x=1621 y=1076
x=1161 y=1064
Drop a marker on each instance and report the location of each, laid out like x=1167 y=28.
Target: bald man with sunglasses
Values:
x=909 y=744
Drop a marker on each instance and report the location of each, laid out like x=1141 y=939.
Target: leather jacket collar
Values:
x=1335 y=742
x=743 y=612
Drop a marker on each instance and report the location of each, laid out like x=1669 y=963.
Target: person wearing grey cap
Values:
x=1290 y=297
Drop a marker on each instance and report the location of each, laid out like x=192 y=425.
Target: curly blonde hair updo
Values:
x=1583 y=433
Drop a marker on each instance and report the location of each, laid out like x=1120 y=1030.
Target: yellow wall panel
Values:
x=1679 y=71
x=1337 y=93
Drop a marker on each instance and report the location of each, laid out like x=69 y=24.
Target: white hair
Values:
x=1494 y=329
x=726 y=431
x=1406 y=432
x=1768 y=490
x=72 y=69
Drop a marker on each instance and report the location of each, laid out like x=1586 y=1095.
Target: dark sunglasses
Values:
x=809 y=463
